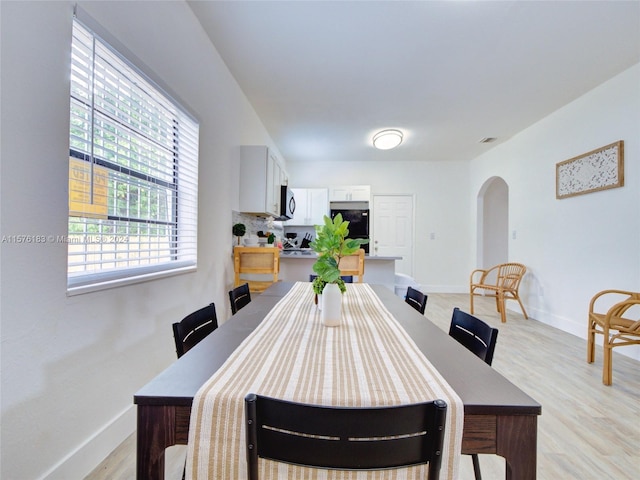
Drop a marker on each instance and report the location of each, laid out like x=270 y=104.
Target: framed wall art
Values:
x=599 y=169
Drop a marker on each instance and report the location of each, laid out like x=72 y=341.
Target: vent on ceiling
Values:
x=487 y=140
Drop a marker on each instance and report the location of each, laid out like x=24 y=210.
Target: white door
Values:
x=392 y=232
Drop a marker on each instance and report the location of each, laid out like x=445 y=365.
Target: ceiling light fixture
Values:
x=387 y=139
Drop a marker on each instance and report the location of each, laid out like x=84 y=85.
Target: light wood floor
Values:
x=587 y=431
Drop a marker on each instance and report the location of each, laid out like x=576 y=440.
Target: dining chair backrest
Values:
x=353 y=265
x=479 y=337
x=261 y=265
x=193 y=328
x=239 y=297
x=344 y=438
x=416 y=299
x=345 y=278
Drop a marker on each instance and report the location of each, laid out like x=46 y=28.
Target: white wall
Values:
x=71 y=365
x=441 y=192
x=577 y=246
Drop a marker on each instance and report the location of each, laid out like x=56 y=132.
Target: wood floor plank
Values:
x=587 y=431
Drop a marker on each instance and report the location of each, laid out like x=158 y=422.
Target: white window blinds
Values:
x=133 y=171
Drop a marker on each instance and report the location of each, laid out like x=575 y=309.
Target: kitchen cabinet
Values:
x=261 y=176
x=350 y=193
x=312 y=204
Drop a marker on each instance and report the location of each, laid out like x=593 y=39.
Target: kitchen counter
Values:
x=297 y=265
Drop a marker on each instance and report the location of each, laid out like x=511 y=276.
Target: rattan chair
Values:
x=502 y=282
x=260 y=266
x=353 y=265
x=618 y=323
x=344 y=438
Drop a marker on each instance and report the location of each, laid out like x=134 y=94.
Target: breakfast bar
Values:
x=296 y=265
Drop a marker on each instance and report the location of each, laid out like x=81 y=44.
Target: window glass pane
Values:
x=132 y=171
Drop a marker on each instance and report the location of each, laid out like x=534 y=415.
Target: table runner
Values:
x=369 y=360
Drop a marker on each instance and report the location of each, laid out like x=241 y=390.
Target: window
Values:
x=133 y=172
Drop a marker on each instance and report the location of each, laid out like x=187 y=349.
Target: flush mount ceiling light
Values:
x=387 y=139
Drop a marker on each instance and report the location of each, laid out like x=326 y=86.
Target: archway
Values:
x=493 y=223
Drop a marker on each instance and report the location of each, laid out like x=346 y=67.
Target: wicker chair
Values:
x=502 y=281
x=619 y=325
x=262 y=264
x=353 y=265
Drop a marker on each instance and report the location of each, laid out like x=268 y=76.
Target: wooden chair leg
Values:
x=607 y=367
x=591 y=344
x=502 y=309
x=524 y=313
x=476 y=466
x=471 y=295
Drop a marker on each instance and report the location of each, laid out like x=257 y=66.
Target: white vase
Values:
x=331 y=305
x=319 y=304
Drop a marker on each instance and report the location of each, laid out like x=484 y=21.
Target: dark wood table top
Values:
x=483 y=390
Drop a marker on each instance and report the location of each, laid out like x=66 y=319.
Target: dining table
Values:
x=499 y=418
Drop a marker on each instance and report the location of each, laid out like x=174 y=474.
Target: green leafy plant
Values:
x=331 y=244
x=318 y=285
x=238 y=230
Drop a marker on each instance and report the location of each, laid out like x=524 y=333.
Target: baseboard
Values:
x=444 y=288
x=79 y=463
x=579 y=329
x=569 y=325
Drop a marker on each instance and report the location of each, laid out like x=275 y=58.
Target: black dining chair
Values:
x=239 y=297
x=478 y=337
x=416 y=299
x=344 y=438
x=189 y=331
x=345 y=278
x=192 y=329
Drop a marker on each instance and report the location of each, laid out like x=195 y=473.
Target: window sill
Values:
x=123 y=282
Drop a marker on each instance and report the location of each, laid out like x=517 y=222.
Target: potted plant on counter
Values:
x=238 y=230
x=331 y=244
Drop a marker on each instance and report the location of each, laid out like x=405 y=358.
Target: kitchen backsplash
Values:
x=302 y=232
x=256 y=224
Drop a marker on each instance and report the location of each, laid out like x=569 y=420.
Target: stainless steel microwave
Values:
x=287 y=203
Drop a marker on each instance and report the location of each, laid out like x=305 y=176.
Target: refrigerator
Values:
x=357 y=214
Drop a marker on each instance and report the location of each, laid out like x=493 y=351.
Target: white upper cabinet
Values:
x=312 y=204
x=261 y=176
x=350 y=193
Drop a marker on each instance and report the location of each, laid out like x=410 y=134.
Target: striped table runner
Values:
x=369 y=360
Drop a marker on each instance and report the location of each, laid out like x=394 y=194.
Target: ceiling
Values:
x=325 y=76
